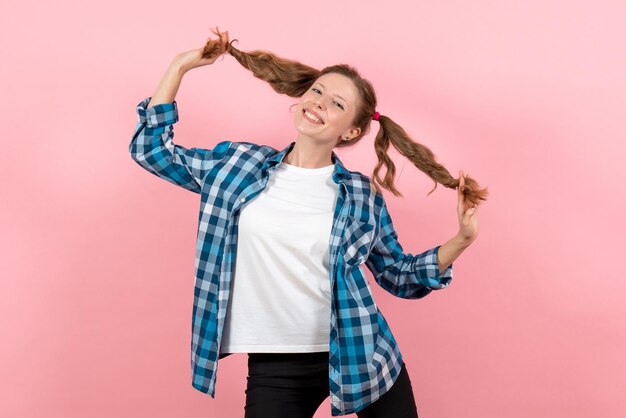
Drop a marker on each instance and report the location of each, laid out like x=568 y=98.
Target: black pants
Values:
x=294 y=385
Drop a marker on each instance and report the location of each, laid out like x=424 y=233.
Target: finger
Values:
x=461 y=181
x=460 y=195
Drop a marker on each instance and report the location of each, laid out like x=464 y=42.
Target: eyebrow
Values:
x=317 y=82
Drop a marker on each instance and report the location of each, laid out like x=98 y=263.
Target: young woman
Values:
x=282 y=237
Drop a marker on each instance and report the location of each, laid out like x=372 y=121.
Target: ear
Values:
x=352 y=133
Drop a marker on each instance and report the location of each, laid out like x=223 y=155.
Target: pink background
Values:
x=98 y=255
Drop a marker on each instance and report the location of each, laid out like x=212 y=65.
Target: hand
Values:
x=467 y=213
x=195 y=57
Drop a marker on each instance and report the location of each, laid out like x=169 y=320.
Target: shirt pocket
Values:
x=358 y=239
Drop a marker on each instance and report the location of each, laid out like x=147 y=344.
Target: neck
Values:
x=308 y=157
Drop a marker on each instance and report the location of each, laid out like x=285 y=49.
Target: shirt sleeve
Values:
x=404 y=275
x=152 y=148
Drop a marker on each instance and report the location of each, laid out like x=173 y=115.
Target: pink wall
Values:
x=98 y=255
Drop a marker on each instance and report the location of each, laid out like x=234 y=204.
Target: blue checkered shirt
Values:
x=364 y=358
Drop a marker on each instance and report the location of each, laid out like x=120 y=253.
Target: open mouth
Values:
x=311 y=118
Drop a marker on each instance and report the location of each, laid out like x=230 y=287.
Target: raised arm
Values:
x=152 y=145
x=404 y=275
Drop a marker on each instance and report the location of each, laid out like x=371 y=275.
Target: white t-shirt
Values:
x=280 y=298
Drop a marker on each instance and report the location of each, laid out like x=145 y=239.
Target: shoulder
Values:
x=361 y=186
x=244 y=150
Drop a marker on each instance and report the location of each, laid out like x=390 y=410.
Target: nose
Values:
x=318 y=102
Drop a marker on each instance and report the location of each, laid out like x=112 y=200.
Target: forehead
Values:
x=338 y=84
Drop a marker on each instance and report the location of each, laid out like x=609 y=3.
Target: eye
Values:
x=339 y=104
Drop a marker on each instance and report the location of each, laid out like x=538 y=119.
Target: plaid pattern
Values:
x=364 y=358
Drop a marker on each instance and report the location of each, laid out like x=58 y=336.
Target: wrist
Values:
x=462 y=240
x=178 y=68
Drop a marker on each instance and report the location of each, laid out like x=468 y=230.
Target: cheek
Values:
x=306 y=97
x=301 y=103
x=339 y=118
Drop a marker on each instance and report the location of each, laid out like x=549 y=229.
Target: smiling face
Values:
x=332 y=102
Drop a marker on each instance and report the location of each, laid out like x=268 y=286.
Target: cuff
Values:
x=433 y=279
x=157 y=116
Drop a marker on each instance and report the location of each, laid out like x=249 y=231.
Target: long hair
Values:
x=293 y=78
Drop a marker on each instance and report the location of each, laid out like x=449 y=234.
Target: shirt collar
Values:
x=340 y=170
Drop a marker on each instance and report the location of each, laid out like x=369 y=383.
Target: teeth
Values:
x=312 y=116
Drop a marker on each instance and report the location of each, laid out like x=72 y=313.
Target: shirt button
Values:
x=243 y=199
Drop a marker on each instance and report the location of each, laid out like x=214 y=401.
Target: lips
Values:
x=321 y=121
